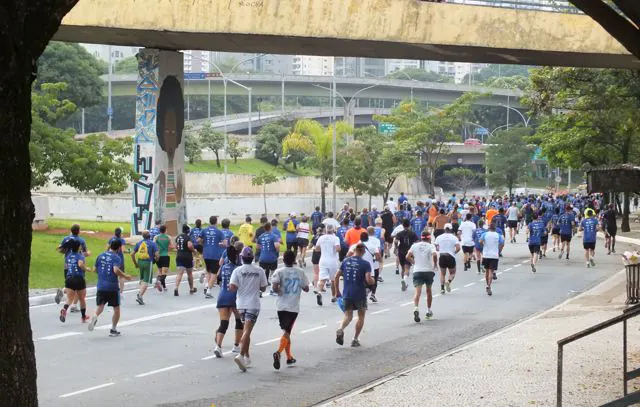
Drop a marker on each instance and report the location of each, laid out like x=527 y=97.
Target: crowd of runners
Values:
x=348 y=252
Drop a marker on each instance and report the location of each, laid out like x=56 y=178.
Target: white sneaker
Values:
x=240 y=362
x=92 y=323
x=236 y=349
x=217 y=351
x=447 y=286
x=74 y=308
x=247 y=361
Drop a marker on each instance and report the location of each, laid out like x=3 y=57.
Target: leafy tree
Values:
x=192 y=146
x=126 y=65
x=72 y=64
x=297 y=146
x=420 y=75
x=264 y=178
x=235 y=150
x=396 y=158
x=462 y=178
x=509 y=158
x=212 y=139
x=352 y=172
x=269 y=142
x=507 y=82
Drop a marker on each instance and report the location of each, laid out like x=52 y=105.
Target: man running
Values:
x=477 y=237
x=448 y=246
x=143 y=256
x=288 y=282
x=117 y=235
x=492 y=243
x=303 y=240
x=438 y=223
x=184 y=260
x=403 y=242
x=247 y=280
x=357 y=275
x=212 y=248
x=316 y=219
x=536 y=229
x=467 y=229
x=108 y=289
x=164 y=244
x=291 y=227
x=194 y=235
x=269 y=247
x=566 y=222
x=610 y=228
x=512 y=221
x=329 y=247
x=246 y=232
x=353 y=235
x=589 y=228
x=424 y=258
x=374 y=248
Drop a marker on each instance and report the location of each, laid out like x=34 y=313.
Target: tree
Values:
x=211 y=139
x=269 y=142
x=126 y=65
x=421 y=75
x=192 y=147
x=73 y=65
x=352 y=172
x=396 y=158
x=296 y=147
x=264 y=178
x=25 y=29
x=235 y=150
x=462 y=178
x=507 y=82
x=509 y=158
x=622 y=23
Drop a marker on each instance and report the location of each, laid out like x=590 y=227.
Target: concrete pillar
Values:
x=159 y=193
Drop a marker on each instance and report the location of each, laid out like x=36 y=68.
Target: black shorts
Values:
x=213 y=266
x=75 y=283
x=343 y=253
x=287 y=319
x=467 y=249
x=565 y=238
x=268 y=266
x=387 y=237
x=185 y=261
x=512 y=224
x=447 y=261
x=589 y=246
x=198 y=248
x=302 y=242
x=355 y=305
x=111 y=298
x=455 y=227
x=402 y=258
x=163 y=262
x=555 y=231
x=544 y=240
x=490 y=264
x=437 y=232
x=315 y=257
x=292 y=246
x=534 y=248
x=612 y=232
x=423 y=278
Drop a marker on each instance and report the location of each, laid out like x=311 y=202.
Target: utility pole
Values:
x=109 y=107
x=282 y=96
x=333 y=144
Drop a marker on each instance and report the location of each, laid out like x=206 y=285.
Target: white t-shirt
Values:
x=372 y=248
x=331 y=221
x=291 y=280
x=466 y=232
x=491 y=247
x=447 y=242
x=328 y=254
x=397 y=230
x=423 y=256
x=249 y=279
x=303 y=230
x=392 y=206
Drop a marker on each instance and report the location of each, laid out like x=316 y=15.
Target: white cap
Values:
x=292 y=214
x=466 y=206
x=448 y=226
x=373 y=207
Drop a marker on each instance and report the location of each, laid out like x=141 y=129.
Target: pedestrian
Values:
x=512 y=221
x=316 y=219
x=492 y=243
x=144 y=254
x=589 y=228
x=424 y=258
x=466 y=231
x=329 y=246
x=75 y=283
x=164 y=244
x=117 y=235
x=536 y=229
x=448 y=247
x=195 y=235
x=403 y=242
x=184 y=260
x=213 y=241
x=64 y=249
x=257 y=234
x=269 y=247
x=566 y=223
x=610 y=228
x=226 y=304
x=246 y=232
x=291 y=228
x=303 y=240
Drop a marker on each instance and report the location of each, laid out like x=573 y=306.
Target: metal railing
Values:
x=626 y=376
x=558 y=6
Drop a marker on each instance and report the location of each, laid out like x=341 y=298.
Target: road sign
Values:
x=558 y=179
x=213 y=75
x=387 y=128
x=195 y=75
x=481 y=131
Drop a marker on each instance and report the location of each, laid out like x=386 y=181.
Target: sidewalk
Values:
x=517 y=366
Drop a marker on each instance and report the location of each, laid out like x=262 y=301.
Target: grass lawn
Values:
x=96 y=226
x=249 y=166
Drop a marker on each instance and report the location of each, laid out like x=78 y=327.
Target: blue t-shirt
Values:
x=120 y=252
x=276 y=233
x=228 y=234
x=151 y=249
x=590 y=230
x=292 y=237
x=194 y=235
x=399 y=216
x=500 y=221
x=354 y=269
x=566 y=222
x=477 y=235
x=71 y=265
x=226 y=298
x=402 y=199
x=341 y=232
x=268 y=253
x=418 y=224
x=365 y=220
x=211 y=239
x=536 y=228
x=107 y=278
x=316 y=220
x=154 y=231
x=83 y=244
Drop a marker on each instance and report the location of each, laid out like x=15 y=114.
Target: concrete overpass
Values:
x=298 y=85
x=410 y=29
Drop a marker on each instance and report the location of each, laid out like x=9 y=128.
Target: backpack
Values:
x=291 y=226
x=143 y=251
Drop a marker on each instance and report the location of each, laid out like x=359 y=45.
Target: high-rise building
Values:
x=359 y=67
x=196 y=61
x=394 y=65
x=312 y=65
x=118 y=53
x=463 y=69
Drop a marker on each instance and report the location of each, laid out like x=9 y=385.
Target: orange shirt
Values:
x=353 y=235
x=490 y=214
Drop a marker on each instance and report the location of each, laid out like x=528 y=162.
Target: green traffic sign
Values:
x=387 y=128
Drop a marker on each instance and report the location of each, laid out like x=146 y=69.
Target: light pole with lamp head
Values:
x=524 y=120
x=411 y=79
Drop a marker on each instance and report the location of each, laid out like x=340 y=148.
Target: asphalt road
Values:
x=165 y=353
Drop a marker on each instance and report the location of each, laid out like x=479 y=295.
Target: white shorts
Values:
x=327 y=273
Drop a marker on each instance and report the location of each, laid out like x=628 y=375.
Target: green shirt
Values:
x=163 y=241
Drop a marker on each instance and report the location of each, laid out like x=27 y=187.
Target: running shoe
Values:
x=139 y=299
x=92 y=324
x=158 y=285
x=373 y=298
x=593 y=263
x=340 y=337
x=85 y=318
x=235 y=349
x=63 y=315
x=193 y=290
x=276 y=360
x=495 y=276
x=74 y=308
x=58 y=296
x=202 y=278
x=291 y=361
x=319 y=299
x=533 y=268
x=397 y=271
x=403 y=285
x=447 y=285
x=247 y=361
x=240 y=362
x=429 y=315
x=567 y=256
x=355 y=343
x=560 y=255
x=442 y=291
x=114 y=332
x=217 y=351
x=489 y=293
x=380 y=280
x=333 y=300
x=416 y=315
x=209 y=296
x=588 y=265
x=175 y=293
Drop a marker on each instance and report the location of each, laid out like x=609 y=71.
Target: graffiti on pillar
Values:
x=170 y=205
x=147 y=92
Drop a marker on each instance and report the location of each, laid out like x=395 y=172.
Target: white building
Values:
x=118 y=53
x=196 y=61
x=312 y=65
x=393 y=65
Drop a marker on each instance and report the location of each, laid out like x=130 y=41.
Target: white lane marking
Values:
x=214 y=356
x=481 y=280
x=313 y=329
x=517 y=265
x=86 y=390
x=509 y=269
x=455 y=289
x=469 y=285
x=381 y=311
x=406 y=303
x=498 y=273
x=157 y=316
x=59 y=336
x=267 y=342
x=437 y=295
x=525 y=262
x=164 y=369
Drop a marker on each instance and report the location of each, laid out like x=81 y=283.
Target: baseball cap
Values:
x=247 y=253
x=448 y=226
x=292 y=214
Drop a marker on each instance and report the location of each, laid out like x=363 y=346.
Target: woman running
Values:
x=303 y=240
x=74 y=282
x=315 y=257
x=227 y=301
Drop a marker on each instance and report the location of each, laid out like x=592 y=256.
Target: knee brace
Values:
x=239 y=324
x=224 y=325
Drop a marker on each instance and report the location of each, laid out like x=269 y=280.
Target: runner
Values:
x=291 y=227
x=143 y=256
x=316 y=219
x=492 y=243
x=75 y=235
x=108 y=268
x=467 y=230
x=454 y=215
x=555 y=229
x=117 y=235
x=75 y=283
x=269 y=247
x=536 y=230
x=418 y=223
x=195 y=235
x=610 y=227
x=477 y=237
x=438 y=223
x=184 y=260
x=352 y=236
x=259 y=232
x=380 y=234
x=424 y=258
x=341 y=234
x=329 y=246
x=212 y=247
x=357 y=275
x=566 y=222
x=330 y=220
x=164 y=244
x=155 y=231
x=388 y=223
x=288 y=282
x=545 y=217
x=228 y=233
x=589 y=228
x=512 y=221
x=245 y=232
x=448 y=246
x=374 y=248
x=315 y=257
x=227 y=301
x=247 y=281
x=403 y=242
x=303 y=240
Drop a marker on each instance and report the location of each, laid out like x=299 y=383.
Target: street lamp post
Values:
x=334 y=144
x=524 y=120
x=109 y=107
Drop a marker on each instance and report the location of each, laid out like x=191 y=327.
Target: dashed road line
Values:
x=164 y=369
x=268 y=342
x=469 y=285
x=406 y=304
x=455 y=289
x=214 y=356
x=88 y=389
x=59 y=336
x=317 y=328
x=381 y=311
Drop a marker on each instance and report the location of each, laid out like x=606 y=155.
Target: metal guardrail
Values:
x=633 y=283
x=557 y=6
x=628 y=399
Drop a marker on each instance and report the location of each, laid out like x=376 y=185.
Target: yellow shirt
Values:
x=246 y=233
